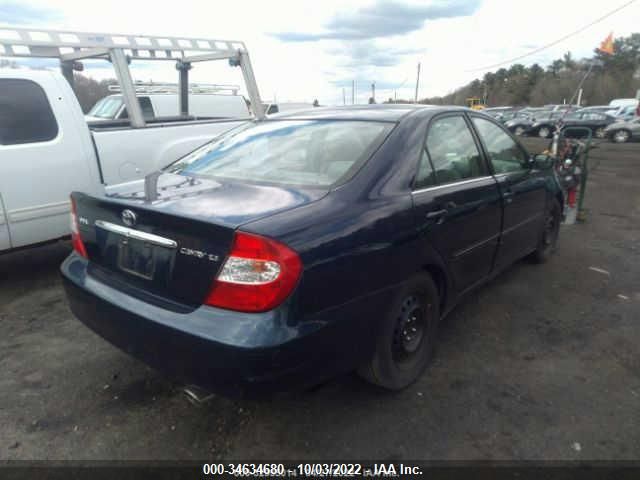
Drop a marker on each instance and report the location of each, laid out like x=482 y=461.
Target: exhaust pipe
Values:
x=196 y=395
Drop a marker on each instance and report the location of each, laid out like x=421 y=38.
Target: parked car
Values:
x=502 y=114
x=623 y=108
x=595 y=108
x=524 y=119
x=544 y=125
x=597 y=122
x=621 y=132
x=273 y=108
x=292 y=249
x=159 y=105
x=47 y=150
x=565 y=107
x=623 y=113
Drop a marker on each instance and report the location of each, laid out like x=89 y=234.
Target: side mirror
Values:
x=542 y=161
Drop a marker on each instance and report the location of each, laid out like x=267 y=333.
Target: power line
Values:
x=555 y=42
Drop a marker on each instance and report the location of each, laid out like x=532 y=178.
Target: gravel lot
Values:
x=541 y=363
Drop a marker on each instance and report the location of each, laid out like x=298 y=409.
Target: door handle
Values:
x=508 y=196
x=437 y=214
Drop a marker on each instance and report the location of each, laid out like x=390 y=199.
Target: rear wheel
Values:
x=620 y=136
x=600 y=133
x=549 y=235
x=518 y=130
x=544 y=132
x=406 y=338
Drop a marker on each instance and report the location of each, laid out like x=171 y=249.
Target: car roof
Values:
x=382 y=112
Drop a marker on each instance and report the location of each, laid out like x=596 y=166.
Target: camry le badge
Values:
x=129 y=218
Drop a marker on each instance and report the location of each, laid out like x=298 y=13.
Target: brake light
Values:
x=258 y=275
x=76 y=239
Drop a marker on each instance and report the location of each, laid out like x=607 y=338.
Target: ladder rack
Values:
x=201 y=88
x=70 y=47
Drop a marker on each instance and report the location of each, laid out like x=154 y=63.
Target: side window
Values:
x=272 y=109
x=145 y=105
x=426 y=176
x=504 y=153
x=147 y=108
x=25 y=113
x=453 y=152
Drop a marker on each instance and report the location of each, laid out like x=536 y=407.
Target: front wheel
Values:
x=549 y=235
x=406 y=338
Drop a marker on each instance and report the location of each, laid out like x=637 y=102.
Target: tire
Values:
x=544 y=132
x=549 y=235
x=406 y=338
x=519 y=130
x=600 y=133
x=620 y=136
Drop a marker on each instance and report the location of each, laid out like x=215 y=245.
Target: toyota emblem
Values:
x=129 y=218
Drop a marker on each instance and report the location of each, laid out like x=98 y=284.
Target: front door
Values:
x=522 y=189
x=456 y=201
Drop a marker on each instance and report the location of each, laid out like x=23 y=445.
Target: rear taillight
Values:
x=258 y=275
x=76 y=239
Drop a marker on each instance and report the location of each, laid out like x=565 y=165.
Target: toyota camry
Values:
x=293 y=249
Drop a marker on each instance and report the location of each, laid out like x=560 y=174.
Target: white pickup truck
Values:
x=48 y=150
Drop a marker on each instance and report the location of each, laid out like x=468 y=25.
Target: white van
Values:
x=167 y=105
x=623 y=108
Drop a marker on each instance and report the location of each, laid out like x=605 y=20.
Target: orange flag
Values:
x=607 y=45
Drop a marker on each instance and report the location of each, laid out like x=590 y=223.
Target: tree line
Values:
x=612 y=76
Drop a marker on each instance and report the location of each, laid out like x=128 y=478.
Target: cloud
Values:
x=367 y=52
x=19 y=14
x=384 y=18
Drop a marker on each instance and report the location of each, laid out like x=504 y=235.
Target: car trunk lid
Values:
x=169 y=250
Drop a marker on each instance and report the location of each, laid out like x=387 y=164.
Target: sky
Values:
x=304 y=50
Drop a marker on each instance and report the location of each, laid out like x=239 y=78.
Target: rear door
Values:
x=522 y=189
x=456 y=201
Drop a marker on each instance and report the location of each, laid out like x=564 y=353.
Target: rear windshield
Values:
x=106 y=108
x=293 y=152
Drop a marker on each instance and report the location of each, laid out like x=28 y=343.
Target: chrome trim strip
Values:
x=136 y=234
x=454 y=184
x=39 y=211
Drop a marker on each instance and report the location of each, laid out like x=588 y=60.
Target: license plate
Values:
x=137 y=258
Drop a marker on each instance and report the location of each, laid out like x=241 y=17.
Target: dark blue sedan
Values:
x=290 y=250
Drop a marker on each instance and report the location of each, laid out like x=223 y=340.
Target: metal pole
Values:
x=344 y=98
x=353 y=92
x=67 y=71
x=373 y=91
x=579 y=101
x=183 y=86
x=417 y=84
x=119 y=61
x=252 y=86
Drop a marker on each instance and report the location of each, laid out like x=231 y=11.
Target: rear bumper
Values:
x=222 y=351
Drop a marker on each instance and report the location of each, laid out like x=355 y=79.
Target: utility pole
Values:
x=353 y=92
x=373 y=91
x=344 y=98
x=417 y=83
x=579 y=98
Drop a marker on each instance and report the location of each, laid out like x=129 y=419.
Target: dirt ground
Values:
x=541 y=363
